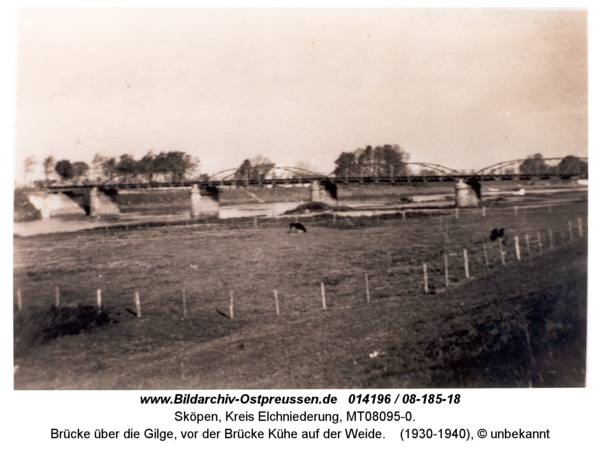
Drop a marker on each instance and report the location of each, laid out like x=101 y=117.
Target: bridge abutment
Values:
x=55 y=205
x=72 y=203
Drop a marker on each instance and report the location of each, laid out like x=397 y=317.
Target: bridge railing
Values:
x=338 y=180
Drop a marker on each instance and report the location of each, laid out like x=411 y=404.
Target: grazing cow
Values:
x=497 y=234
x=297 y=227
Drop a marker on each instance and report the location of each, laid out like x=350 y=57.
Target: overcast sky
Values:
x=460 y=88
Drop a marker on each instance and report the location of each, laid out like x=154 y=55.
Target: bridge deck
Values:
x=306 y=180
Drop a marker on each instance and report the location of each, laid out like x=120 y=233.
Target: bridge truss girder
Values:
x=496 y=169
x=302 y=177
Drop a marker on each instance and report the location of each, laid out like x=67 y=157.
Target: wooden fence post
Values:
x=367 y=288
x=231 y=305
x=425 y=284
x=390 y=258
x=517 y=248
x=466 y=257
x=57 y=297
x=255 y=222
x=19 y=300
x=138 y=306
x=527 y=244
x=551 y=240
x=539 y=239
x=323 y=295
x=501 y=252
x=580 y=224
x=276 y=302
x=446 y=278
x=485 y=255
x=99 y=299
x=570 y=230
x=184 y=303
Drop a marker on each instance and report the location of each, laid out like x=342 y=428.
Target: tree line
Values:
x=173 y=166
x=387 y=160
x=167 y=166
x=535 y=165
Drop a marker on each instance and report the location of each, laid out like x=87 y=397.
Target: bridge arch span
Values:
x=514 y=167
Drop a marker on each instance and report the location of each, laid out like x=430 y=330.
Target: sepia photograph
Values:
x=300 y=198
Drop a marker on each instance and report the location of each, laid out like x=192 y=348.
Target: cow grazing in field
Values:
x=297 y=227
x=497 y=234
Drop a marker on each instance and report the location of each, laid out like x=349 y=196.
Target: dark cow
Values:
x=497 y=234
x=297 y=227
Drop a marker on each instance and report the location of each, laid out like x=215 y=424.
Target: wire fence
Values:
x=459 y=253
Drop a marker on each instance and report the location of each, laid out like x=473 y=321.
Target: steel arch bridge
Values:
x=293 y=173
x=576 y=167
x=296 y=175
x=415 y=172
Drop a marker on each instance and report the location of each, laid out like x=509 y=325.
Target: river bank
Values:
x=172 y=206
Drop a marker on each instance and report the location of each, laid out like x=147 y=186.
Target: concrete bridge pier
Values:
x=99 y=205
x=466 y=196
x=315 y=191
x=204 y=205
x=94 y=203
x=323 y=194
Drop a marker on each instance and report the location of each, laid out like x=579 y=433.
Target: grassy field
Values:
x=507 y=325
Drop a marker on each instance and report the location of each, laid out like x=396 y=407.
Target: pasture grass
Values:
x=436 y=339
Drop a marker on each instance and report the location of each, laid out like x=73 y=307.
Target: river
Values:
x=360 y=208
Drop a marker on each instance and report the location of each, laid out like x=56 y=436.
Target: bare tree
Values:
x=49 y=164
x=386 y=160
x=80 y=169
x=307 y=167
x=534 y=165
x=261 y=166
x=30 y=163
x=97 y=170
x=255 y=169
x=109 y=168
